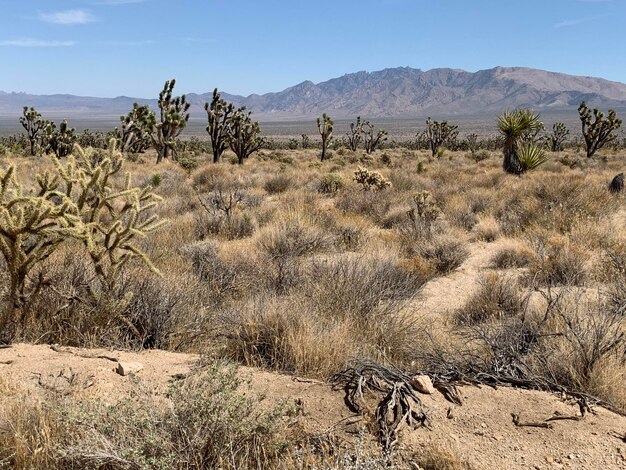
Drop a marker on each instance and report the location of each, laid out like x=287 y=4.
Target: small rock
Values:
x=423 y=384
x=549 y=459
x=125 y=368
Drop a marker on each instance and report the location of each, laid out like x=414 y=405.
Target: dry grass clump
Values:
x=557 y=261
x=438 y=456
x=283 y=246
x=512 y=257
x=487 y=229
x=277 y=184
x=445 y=254
x=497 y=297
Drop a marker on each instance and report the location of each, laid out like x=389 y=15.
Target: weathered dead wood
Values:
x=532 y=424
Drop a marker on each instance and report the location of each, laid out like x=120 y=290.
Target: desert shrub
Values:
x=348 y=238
x=370 y=180
x=358 y=287
x=207 y=422
x=373 y=205
x=187 y=161
x=285 y=334
x=422 y=221
x=480 y=155
x=224 y=215
x=557 y=262
x=330 y=183
x=277 y=184
x=507 y=258
x=284 y=244
x=210 y=178
x=587 y=333
x=210 y=403
x=497 y=297
x=487 y=229
x=444 y=253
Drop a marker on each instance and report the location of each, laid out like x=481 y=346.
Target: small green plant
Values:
x=330 y=183
x=530 y=157
x=421 y=168
x=370 y=180
x=187 y=162
x=156 y=180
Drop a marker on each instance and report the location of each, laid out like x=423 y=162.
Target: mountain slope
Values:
x=396 y=92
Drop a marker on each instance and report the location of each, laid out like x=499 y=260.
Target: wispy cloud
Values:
x=577 y=21
x=198 y=40
x=31 y=42
x=115 y=2
x=68 y=17
x=144 y=42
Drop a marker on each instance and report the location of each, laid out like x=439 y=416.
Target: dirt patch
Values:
x=481 y=430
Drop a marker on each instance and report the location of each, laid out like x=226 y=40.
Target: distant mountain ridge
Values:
x=401 y=92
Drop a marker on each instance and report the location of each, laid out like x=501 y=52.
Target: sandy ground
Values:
x=481 y=430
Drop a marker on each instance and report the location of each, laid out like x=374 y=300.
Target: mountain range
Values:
x=401 y=92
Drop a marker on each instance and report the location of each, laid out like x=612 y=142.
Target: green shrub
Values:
x=330 y=184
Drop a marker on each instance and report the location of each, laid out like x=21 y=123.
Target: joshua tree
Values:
x=472 y=142
x=219 y=113
x=438 y=134
x=599 y=130
x=558 y=136
x=173 y=117
x=243 y=135
x=371 y=141
x=59 y=141
x=515 y=126
x=305 y=141
x=354 y=134
x=137 y=126
x=325 y=128
x=33 y=123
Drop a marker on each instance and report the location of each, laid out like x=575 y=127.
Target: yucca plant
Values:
x=515 y=126
x=530 y=156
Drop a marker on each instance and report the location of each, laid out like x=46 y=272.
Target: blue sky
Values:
x=130 y=47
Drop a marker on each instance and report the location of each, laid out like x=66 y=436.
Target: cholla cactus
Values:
x=173 y=118
x=370 y=179
x=325 y=127
x=77 y=202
